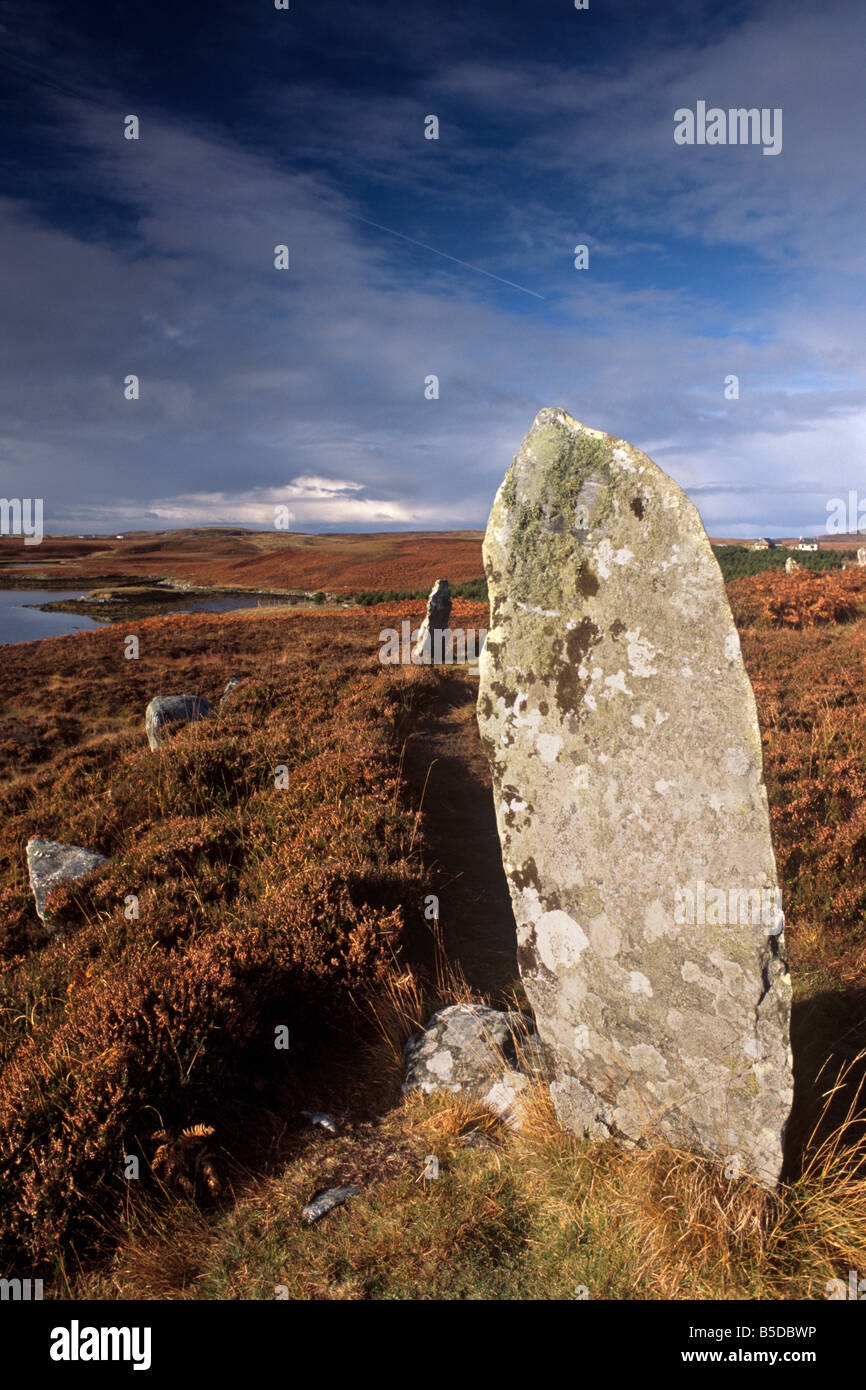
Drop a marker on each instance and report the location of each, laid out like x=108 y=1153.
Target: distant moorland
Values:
x=389 y=564
x=256 y=560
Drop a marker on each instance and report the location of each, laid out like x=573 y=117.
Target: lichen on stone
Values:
x=614 y=705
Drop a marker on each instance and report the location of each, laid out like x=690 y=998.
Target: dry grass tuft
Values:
x=698 y=1232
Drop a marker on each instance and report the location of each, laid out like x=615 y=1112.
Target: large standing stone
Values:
x=51 y=863
x=173 y=709
x=623 y=739
x=432 y=642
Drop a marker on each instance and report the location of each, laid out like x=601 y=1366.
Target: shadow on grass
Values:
x=445 y=763
x=828 y=1036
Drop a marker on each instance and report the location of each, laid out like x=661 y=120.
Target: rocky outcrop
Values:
x=623 y=740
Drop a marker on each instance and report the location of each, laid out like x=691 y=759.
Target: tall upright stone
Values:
x=432 y=642
x=623 y=739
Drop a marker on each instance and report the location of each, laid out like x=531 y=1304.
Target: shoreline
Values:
x=110 y=602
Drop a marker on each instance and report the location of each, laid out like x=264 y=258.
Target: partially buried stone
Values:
x=318 y=1117
x=623 y=740
x=51 y=863
x=327 y=1201
x=488 y=1054
x=165 y=710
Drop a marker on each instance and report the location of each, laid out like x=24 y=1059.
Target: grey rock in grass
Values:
x=488 y=1054
x=622 y=735
x=51 y=863
x=432 y=643
x=231 y=687
x=318 y=1117
x=326 y=1201
x=165 y=710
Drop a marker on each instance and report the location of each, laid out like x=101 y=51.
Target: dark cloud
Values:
x=307 y=387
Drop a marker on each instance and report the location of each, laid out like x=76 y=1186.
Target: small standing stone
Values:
x=433 y=641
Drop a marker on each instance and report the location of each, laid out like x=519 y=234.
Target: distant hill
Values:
x=234 y=557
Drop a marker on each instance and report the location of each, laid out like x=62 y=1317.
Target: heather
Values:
x=394 y=562
x=806 y=598
x=300 y=906
x=258 y=904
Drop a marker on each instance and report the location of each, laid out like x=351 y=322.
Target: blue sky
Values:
x=306 y=127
